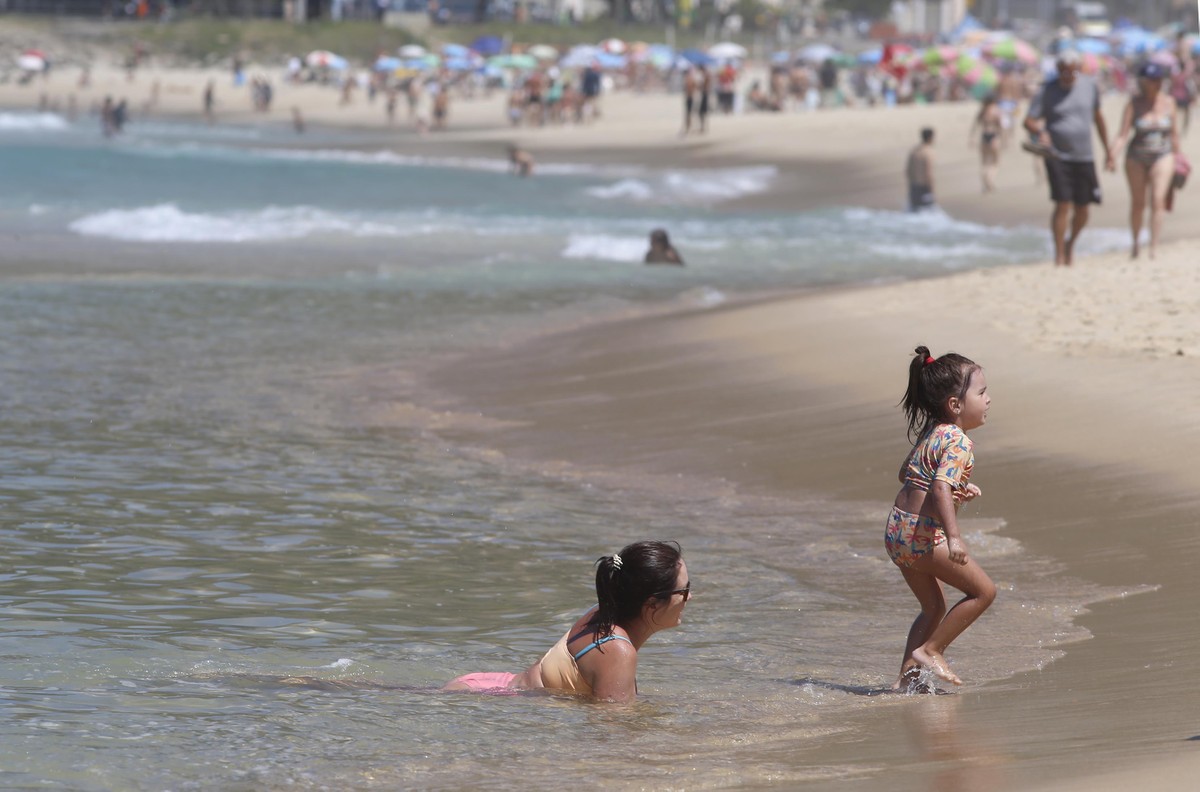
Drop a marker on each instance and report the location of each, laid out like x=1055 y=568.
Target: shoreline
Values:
x=840 y=157
x=737 y=395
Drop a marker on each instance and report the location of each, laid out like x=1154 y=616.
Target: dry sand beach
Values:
x=1087 y=457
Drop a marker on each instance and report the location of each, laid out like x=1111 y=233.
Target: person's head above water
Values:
x=642 y=575
x=659 y=238
x=932 y=383
x=927 y=135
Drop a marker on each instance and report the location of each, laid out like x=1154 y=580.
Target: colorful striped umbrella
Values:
x=1012 y=49
x=940 y=55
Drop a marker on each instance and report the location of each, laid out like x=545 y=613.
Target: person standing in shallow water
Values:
x=639 y=591
x=946 y=398
x=661 y=250
x=918 y=171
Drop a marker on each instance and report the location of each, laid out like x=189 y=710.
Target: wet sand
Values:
x=1085 y=457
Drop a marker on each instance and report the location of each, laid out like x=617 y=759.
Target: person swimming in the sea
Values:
x=640 y=590
x=520 y=161
x=661 y=250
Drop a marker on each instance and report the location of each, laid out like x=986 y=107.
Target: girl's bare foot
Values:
x=936 y=664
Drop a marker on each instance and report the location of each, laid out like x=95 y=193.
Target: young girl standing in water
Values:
x=946 y=398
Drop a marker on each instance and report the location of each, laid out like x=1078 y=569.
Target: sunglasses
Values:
x=686 y=591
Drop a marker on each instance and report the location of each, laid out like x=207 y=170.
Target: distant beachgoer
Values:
x=641 y=590
x=726 y=78
x=107 y=126
x=691 y=85
x=297 y=120
x=1149 y=124
x=1060 y=118
x=390 y=107
x=946 y=398
x=412 y=95
x=990 y=124
x=918 y=171
x=85 y=77
x=661 y=250
x=590 y=88
x=520 y=161
x=441 y=106
x=1008 y=97
x=209 y=102
x=120 y=114
x=705 y=92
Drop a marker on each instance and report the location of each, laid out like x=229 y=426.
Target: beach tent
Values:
x=697 y=58
x=727 y=50
x=488 y=45
x=324 y=59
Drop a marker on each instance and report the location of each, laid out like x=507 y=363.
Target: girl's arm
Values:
x=943 y=511
x=1174 y=128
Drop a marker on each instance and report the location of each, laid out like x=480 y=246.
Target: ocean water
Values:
x=239 y=554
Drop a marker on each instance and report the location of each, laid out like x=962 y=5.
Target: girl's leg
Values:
x=979 y=593
x=1160 y=181
x=1135 y=173
x=933 y=609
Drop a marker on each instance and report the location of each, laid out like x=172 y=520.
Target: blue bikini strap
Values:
x=594 y=644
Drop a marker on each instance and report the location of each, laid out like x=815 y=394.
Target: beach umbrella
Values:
x=324 y=59
x=521 y=61
x=661 y=56
x=612 y=61
x=461 y=64
x=1165 y=58
x=871 y=56
x=1091 y=63
x=727 y=50
x=977 y=73
x=697 y=58
x=455 y=51
x=543 y=52
x=488 y=45
x=816 y=53
x=412 y=51
x=388 y=64
x=580 y=56
x=613 y=46
x=1012 y=49
x=781 y=58
x=32 y=60
x=1094 y=46
x=938 y=56
x=421 y=64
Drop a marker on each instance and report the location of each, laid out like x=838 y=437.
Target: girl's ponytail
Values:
x=931 y=382
x=625 y=581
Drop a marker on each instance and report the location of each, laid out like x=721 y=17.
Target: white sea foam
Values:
x=605 y=247
x=688 y=186
x=32 y=122
x=168 y=223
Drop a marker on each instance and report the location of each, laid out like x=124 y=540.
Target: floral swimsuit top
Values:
x=945 y=453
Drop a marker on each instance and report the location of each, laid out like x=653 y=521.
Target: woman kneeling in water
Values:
x=640 y=590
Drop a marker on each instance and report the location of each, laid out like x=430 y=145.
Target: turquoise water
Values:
x=239 y=555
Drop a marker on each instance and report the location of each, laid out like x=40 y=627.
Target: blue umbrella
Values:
x=781 y=58
x=459 y=64
x=609 y=61
x=697 y=58
x=455 y=51
x=488 y=45
x=388 y=64
x=1094 y=46
x=871 y=56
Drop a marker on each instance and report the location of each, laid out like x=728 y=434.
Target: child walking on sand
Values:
x=946 y=398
